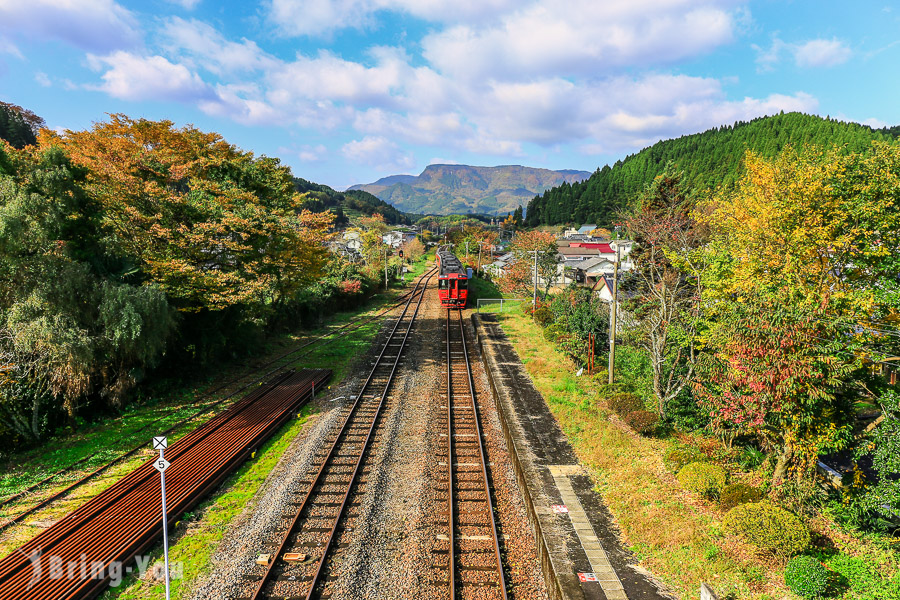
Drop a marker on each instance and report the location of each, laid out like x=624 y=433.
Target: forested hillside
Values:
x=320 y=198
x=708 y=160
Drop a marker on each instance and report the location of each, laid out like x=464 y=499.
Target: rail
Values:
x=314 y=526
x=279 y=360
x=469 y=504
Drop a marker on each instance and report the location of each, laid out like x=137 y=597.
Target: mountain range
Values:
x=460 y=189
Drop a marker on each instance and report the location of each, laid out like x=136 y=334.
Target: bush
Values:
x=625 y=403
x=863 y=578
x=676 y=458
x=806 y=577
x=642 y=421
x=543 y=315
x=703 y=478
x=768 y=527
x=552 y=333
x=739 y=493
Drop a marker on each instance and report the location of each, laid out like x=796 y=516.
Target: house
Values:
x=569 y=254
x=589 y=271
x=603 y=287
x=396 y=238
x=352 y=240
x=587 y=229
x=499 y=266
x=569 y=232
x=341 y=248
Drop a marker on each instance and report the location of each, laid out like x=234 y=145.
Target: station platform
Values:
x=580 y=552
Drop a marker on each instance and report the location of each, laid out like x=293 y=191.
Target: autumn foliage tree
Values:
x=519 y=276
x=804 y=254
x=107 y=234
x=214 y=226
x=780 y=376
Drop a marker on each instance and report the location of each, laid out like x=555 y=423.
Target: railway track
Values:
x=299 y=561
x=474 y=564
x=124 y=520
x=244 y=382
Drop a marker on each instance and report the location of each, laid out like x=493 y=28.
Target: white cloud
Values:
x=186 y=4
x=380 y=153
x=821 y=53
x=813 y=53
x=313 y=153
x=42 y=79
x=7 y=47
x=139 y=78
x=94 y=25
x=200 y=43
x=582 y=85
x=582 y=38
x=322 y=17
x=875 y=123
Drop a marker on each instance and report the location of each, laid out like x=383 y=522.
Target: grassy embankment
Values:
x=676 y=537
x=114 y=436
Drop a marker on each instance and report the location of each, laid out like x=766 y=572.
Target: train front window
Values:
x=442 y=284
x=463 y=284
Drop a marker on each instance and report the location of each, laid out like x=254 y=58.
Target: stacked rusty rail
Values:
x=474 y=563
x=296 y=564
x=125 y=520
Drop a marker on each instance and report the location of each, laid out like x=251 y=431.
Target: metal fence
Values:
x=491 y=304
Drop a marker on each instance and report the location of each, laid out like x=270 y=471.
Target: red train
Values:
x=453 y=280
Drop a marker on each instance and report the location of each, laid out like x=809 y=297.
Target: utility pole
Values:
x=534 y=300
x=385 y=268
x=467 y=250
x=612 y=317
x=480 y=246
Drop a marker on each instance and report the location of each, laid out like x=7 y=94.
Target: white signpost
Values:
x=161 y=443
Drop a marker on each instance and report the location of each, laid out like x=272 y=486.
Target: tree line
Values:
x=137 y=245
x=763 y=306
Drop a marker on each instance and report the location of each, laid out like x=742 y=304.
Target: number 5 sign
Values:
x=161 y=464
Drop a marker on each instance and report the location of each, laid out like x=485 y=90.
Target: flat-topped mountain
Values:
x=449 y=189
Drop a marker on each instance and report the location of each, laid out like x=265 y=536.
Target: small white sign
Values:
x=161 y=464
x=160 y=442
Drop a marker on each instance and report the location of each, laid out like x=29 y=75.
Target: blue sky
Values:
x=347 y=91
